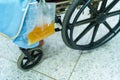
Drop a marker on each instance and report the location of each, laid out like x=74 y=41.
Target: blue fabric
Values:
x=11 y=14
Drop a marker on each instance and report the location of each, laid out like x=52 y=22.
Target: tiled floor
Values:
x=63 y=63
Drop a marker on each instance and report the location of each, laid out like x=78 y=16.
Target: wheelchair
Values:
x=87 y=24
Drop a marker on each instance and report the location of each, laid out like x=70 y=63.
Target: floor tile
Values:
x=9 y=71
x=8 y=49
x=59 y=59
x=100 y=64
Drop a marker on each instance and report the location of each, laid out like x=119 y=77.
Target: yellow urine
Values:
x=40 y=33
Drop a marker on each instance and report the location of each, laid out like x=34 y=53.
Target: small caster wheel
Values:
x=25 y=64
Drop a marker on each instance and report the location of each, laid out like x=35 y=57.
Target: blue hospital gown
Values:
x=11 y=15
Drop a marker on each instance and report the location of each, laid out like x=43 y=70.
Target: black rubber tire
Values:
x=70 y=43
x=33 y=64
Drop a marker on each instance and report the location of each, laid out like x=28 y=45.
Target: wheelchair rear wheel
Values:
x=86 y=26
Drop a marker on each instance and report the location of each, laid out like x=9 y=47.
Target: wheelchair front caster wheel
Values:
x=25 y=64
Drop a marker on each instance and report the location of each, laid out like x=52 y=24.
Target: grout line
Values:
x=44 y=74
x=75 y=66
x=8 y=59
x=31 y=69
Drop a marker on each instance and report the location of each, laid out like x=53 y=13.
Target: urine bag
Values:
x=40 y=21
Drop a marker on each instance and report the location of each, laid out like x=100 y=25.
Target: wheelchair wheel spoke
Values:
x=85 y=21
x=84 y=32
x=80 y=11
x=108 y=27
x=25 y=57
x=94 y=33
x=36 y=55
x=92 y=9
x=103 y=5
x=110 y=6
x=113 y=13
x=71 y=33
x=26 y=63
